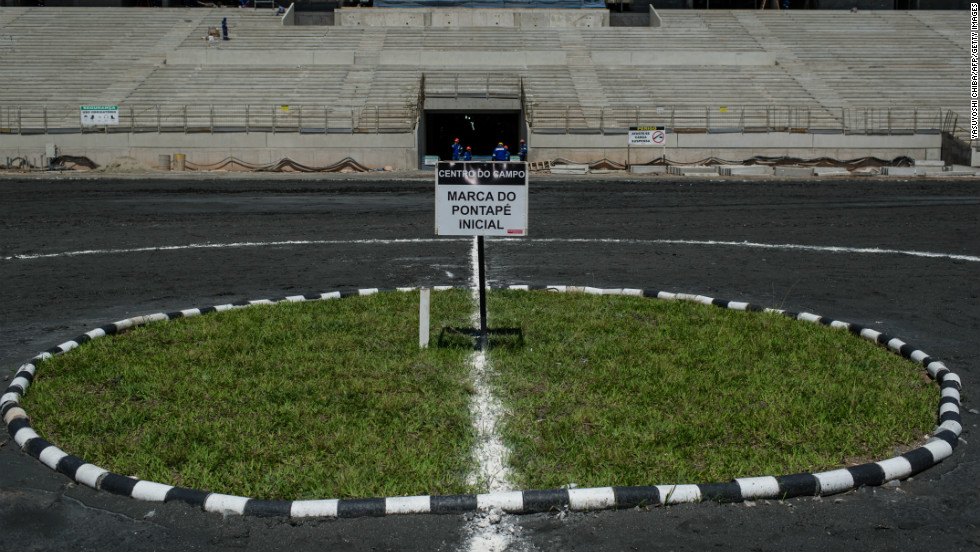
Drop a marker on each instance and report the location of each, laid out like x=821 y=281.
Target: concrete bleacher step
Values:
x=826 y=61
x=582 y=70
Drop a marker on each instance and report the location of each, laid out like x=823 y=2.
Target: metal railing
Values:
x=482 y=85
x=63 y=119
x=744 y=119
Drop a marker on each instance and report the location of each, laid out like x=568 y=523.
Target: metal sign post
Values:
x=481 y=261
x=481 y=199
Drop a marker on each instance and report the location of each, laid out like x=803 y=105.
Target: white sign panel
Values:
x=647 y=136
x=99 y=115
x=481 y=199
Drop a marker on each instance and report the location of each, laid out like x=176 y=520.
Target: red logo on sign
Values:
x=512 y=231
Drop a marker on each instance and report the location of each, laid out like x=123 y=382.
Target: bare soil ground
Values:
x=608 y=232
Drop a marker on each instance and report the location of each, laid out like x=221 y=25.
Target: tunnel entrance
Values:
x=481 y=130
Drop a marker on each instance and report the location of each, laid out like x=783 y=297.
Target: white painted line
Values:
x=22 y=382
x=758 y=487
x=869 y=334
x=895 y=468
x=511 y=501
x=225 y=504
x=89 y=475
x=896 y=344
x=808 y=317
x=940 y=449
x=233 y=245
x=953 y=378
x=68 y=345
x=599 y=498
x=150 y=491
x=490 y=452
x=679 y=494
x=314 y=508
x=14 y=414
x=9 y=397
x=934 y=367
x=51 y=456
x=303 y=243
x=408 y=505
x=950 y=393
x=757 y=245
x=835 y=481
x=24 y=435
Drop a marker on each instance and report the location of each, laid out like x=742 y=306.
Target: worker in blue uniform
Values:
x=468 y=154
x=457 y=150
x=522 y=155
x=500 y=152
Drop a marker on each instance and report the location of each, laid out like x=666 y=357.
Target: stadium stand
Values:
x=719 y=71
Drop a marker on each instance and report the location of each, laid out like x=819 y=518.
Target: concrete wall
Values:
x=401 y=150
x=733 y=146
x=472 y=104
x=471 y=17
x=371 y=150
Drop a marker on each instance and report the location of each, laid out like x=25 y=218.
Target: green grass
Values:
x=297 y=401
x=632 y=391
x=333 y=399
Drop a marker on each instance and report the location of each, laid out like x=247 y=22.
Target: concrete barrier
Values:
x=830 y=171
x=696 y=170
x=745 y=170
x=648 y=169
x=901 y=171
x=793 y=172
x=570 y=169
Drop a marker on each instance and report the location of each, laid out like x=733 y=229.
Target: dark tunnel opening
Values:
x=479 y=130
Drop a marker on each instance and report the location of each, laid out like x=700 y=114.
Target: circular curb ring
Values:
x=937 y=448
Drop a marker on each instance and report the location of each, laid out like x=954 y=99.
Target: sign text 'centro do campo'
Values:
x=481 y=199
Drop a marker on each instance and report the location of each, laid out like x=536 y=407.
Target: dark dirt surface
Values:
x=932 y=303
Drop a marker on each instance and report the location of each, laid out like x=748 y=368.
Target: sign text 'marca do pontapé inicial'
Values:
x=481 y=199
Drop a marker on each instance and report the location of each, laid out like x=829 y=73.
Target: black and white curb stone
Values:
x=937 y=448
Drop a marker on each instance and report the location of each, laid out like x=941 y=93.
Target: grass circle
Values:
x=335 y=399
